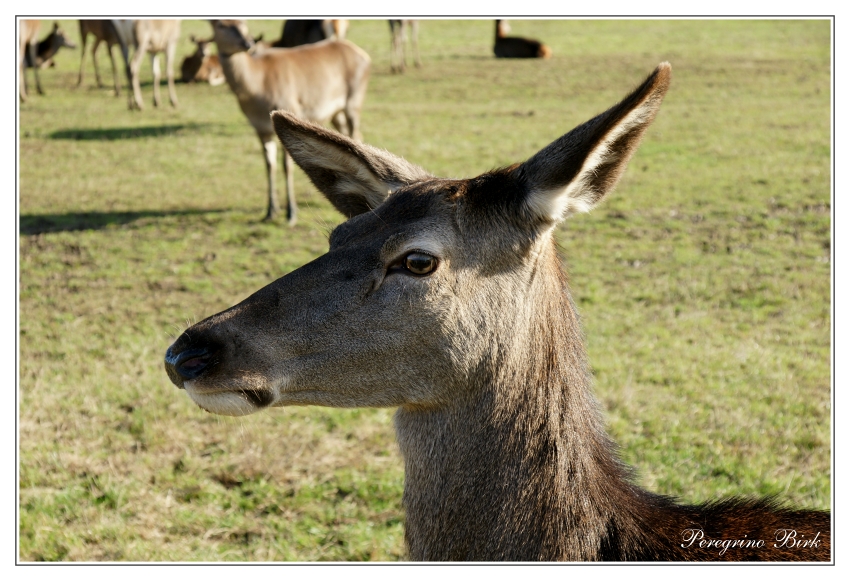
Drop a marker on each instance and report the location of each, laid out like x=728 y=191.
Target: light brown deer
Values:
x=104 y=31
x=202 y=66
x=400 y=30
x=516 y=47
x=320 y=82
x=46 y=49
x=446 y=298
x=27 y=43
x=153 y=37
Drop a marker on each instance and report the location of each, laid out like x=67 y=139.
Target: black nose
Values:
x=188 y=363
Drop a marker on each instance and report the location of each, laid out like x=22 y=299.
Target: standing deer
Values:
x=320 y=82
x=104 y=31
x=27 y=42
x=446 y=298
x=398 y=36
x=202 y=66
x=47 y=48
x=516 y=47
x=298 y=32
x=154 y=37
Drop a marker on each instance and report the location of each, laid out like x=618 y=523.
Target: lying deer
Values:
x=202 y=66
x=446 y=298
x=516 y=47
x=320 y=82
x=298 y=32
x=153 y=37
x=398 y=37
x=46 y=49
x=104 y=31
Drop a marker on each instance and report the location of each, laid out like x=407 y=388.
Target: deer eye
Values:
x=419 y=263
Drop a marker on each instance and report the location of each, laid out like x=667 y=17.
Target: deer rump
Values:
x=446 y=298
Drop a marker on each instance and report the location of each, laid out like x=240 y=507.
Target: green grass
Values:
x=703 y=284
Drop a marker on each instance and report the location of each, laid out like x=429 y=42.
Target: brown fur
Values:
x=516 y=47
x=103 y=31
x=27 y=42
x=153 y=37
x=47 y=48
x=505 y=452
x=202 y=66
x=400 y=31
x=320 y=82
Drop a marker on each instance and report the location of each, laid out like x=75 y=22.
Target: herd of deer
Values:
x=319 y=76
x=456 y=288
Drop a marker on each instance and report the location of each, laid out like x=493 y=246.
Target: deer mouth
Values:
x=235 y=402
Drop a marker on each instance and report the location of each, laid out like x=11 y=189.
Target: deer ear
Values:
x=575 y=172
x=355 y=177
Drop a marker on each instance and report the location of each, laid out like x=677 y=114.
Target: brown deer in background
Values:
x=300 y=32
x=515 y=47
x=398 y=36
x=202 y=66
x=320 y=82
x=104 y=31
x=47 y=48
x=446 y=298
x=153 y=37
x=27 y=43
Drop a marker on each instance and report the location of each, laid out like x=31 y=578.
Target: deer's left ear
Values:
x=353 y=176
x=575 y=172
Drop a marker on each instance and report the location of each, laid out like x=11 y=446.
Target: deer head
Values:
x=231 y=36
x=421 y=286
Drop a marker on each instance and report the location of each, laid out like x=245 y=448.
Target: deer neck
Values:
x=48 y=47
x=242 y=73
x=507 y=471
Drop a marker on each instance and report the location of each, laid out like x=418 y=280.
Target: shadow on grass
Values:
x=115 y=133
x=32 y=224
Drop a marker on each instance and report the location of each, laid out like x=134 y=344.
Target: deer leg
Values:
x=291 y=207
x=395 y=49
x=22 y=79
x=94 y=48
x=170 y=53
x=352 y=120
x=403 y=44
x=125 y=52
x=114 y=70
x=340 y=123
x=135 y=98
x=270 y=152
x=82 y=60
x=156 y=76
x=32 y=51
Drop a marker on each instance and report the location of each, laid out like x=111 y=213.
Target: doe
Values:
x=446 y=298
x=47 y=48
x=517 y=47
x=321 y=81
x=153 y=37
x=112 y=33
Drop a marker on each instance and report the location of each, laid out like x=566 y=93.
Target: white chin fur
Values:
x=225 y=403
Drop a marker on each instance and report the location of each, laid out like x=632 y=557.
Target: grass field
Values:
x=703 y=284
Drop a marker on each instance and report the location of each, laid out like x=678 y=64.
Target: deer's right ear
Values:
x=575 y=172
x=355 y=177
